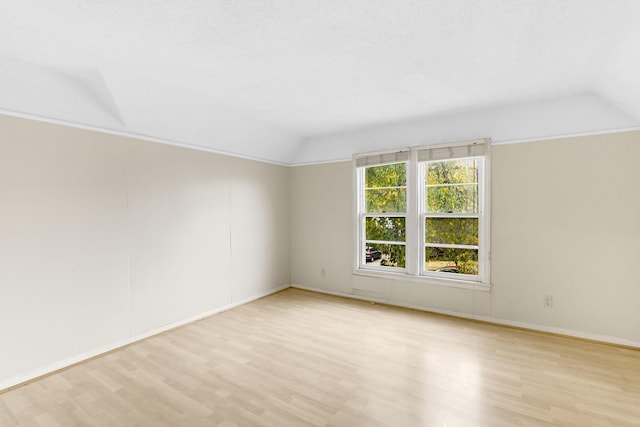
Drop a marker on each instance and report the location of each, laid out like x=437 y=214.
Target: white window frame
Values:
x=416 y=214
x=362 y=217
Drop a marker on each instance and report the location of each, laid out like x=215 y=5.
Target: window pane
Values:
x=459 y=198
x=394 y=175
x=458 y=171
x=453 y=231
x=452 y=186
x=451 y=260
x=385 y=228
x=386 y=200
x=385 y=255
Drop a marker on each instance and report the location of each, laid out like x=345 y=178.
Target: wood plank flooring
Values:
x=306 y=359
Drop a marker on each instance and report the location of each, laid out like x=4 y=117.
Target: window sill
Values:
x=437 y=281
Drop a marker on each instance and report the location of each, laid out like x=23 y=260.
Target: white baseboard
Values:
x=61 y=364
x=541 y=328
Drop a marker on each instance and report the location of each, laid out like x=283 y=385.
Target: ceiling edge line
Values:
x=147 y=138
x=137 y=136
x=320 y=162
x=567 y=135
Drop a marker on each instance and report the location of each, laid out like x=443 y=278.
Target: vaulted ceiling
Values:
x=300 y=81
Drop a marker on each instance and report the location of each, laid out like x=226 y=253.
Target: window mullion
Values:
x=421 y=215
x=359 y=227
x=451 y=215
x=385 y=214
x=386 y=242
x=412 y=221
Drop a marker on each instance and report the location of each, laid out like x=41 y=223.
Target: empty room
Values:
x=320 y=213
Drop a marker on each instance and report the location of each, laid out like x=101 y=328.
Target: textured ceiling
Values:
x=279 y=80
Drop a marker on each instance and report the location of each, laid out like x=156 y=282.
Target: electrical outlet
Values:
x=323 y=272
x=547 y=301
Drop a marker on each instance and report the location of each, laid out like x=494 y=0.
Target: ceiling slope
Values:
x=288 y=81
x=540 y=120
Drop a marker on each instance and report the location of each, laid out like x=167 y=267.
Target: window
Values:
x=384 y=216
x=423 y=212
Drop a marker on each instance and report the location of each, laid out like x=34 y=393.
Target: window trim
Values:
x=414 y=217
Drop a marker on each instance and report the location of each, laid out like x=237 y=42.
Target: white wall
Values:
x=105 y=238
x=564 y=223
x=321 y=226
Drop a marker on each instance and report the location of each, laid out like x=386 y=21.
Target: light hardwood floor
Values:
x=302 y=358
